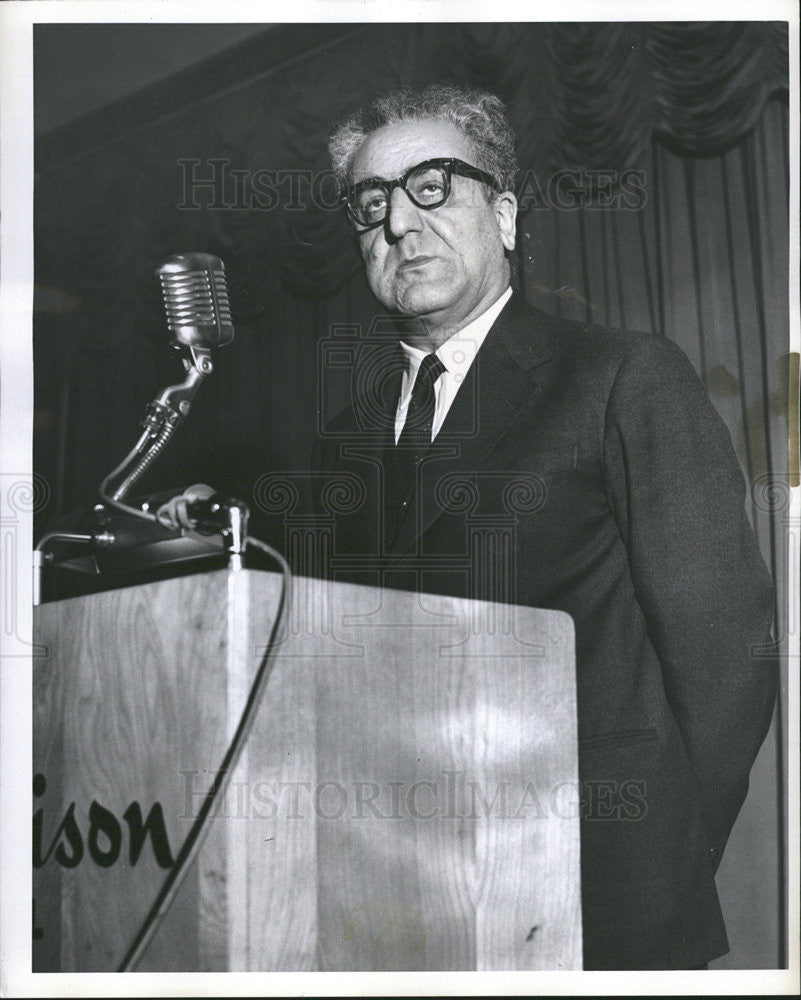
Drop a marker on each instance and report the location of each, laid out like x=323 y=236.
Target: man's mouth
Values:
x=412 y=262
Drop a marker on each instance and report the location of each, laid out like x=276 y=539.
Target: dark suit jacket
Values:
x=599 y=459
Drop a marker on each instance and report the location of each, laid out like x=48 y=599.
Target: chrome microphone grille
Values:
x=196 y=300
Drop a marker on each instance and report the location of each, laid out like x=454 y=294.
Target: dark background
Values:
x=691 y=245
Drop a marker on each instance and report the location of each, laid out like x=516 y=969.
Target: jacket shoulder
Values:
x=591 y=349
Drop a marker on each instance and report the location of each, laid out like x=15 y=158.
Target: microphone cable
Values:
x=200 y=827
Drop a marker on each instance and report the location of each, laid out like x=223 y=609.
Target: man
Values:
x=626 y=498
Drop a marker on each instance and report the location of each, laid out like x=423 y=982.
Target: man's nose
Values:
x=404 y=216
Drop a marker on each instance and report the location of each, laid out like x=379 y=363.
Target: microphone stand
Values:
x=163 y=417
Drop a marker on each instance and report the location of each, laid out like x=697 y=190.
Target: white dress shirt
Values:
x=457 y=354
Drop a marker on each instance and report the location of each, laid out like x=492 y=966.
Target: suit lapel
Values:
x=498 y=383
x=365 y=446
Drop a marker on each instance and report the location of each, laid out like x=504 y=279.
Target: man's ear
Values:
x=506 y=215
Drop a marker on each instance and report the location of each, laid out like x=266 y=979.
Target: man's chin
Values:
x=422 y=300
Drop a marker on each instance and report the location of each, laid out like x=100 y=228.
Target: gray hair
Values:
x=480 y=116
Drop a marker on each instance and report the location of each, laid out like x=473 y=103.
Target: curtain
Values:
x=703 y=261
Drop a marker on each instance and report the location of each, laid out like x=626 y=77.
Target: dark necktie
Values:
x=416 y=434
x=401 y=460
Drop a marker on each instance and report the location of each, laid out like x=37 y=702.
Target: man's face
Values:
x=444 y=265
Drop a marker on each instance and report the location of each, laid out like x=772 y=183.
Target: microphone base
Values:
x=142 y=552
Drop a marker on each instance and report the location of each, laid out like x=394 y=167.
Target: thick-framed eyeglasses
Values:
x=427 y=185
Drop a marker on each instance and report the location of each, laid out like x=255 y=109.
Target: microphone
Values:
x=196 y=300
x=199 y=317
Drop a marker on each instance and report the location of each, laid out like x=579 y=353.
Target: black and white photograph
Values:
x=400 y=499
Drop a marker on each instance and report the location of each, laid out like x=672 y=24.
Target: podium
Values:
x=406 y=800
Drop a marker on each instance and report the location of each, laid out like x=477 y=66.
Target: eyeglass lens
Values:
x=426 y=185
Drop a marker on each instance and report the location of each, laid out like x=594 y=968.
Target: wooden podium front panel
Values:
x=407 y=798
x=130 y=707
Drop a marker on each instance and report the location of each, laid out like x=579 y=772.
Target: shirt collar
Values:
x=458 y=351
